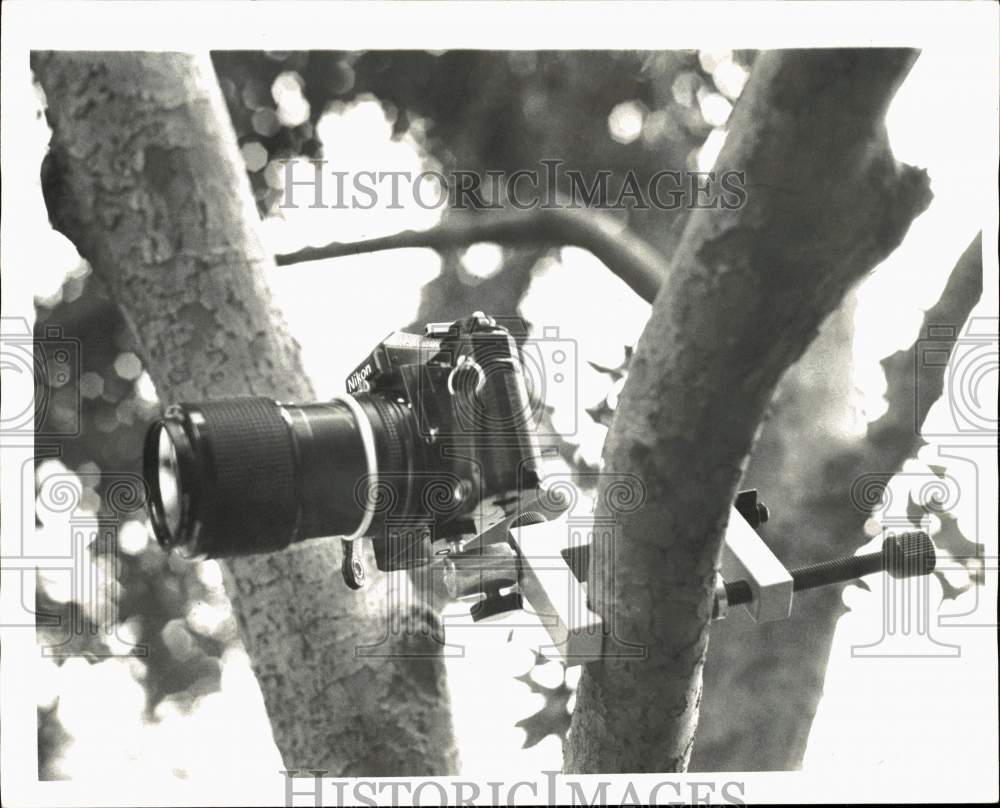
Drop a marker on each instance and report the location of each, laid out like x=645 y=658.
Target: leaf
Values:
x=553 y=718
x=615 y=373
x=915 y=513
x=951 y=539
x=949 y=592
x=602 y=413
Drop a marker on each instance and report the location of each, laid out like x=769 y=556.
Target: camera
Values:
x=434 y=430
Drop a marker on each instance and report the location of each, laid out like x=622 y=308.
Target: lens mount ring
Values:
x=371 y=459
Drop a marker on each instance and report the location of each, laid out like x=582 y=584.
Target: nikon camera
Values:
x=432 y=429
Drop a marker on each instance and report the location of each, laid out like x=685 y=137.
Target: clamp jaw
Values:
x=745 y=555
x=534 y=561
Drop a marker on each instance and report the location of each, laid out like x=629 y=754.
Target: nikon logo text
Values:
x=356 y=381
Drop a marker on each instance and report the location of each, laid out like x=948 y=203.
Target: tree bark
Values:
x=144 y=176
x=747 y=291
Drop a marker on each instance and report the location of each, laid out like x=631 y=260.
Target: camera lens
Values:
x=249 y=475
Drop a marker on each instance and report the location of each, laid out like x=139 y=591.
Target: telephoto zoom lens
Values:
x=248 y=475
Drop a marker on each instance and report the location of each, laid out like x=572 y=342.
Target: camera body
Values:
x=472 y=445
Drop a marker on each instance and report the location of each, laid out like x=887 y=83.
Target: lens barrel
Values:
x=249 y=475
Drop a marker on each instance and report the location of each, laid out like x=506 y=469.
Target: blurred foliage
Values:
x=159 y=602
x=481 y=110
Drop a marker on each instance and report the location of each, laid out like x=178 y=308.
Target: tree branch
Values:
x=746 y=293
x=637 y=263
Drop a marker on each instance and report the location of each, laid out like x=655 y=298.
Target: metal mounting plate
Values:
x=746 y=555
x=555 y=595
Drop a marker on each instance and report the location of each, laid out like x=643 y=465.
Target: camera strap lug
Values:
x=353 y=566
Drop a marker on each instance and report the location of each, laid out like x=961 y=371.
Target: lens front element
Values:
x=169 y=481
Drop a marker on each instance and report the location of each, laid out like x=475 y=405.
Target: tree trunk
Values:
x=747 y=292
x=761 y=680
x=144 y=176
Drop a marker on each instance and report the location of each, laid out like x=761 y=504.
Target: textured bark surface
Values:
x=747 y=292
x=144 y=176
x=763 y=683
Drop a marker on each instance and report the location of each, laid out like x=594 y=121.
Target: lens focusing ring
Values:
x=253 y=460
x=249 y=498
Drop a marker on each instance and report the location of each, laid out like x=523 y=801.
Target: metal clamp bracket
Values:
x=547 y=563
x=555 y=594
x=745 y=555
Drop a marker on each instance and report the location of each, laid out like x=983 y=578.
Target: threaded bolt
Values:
x=905 y=555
